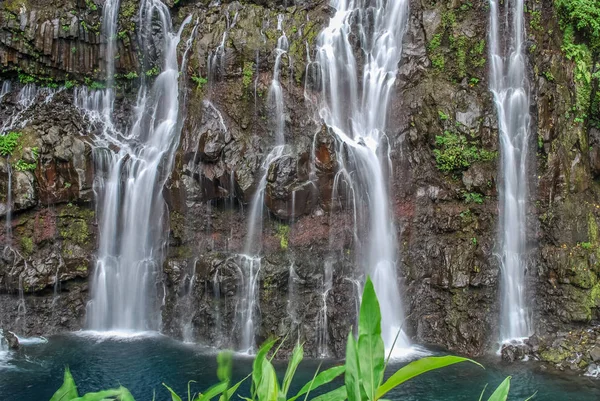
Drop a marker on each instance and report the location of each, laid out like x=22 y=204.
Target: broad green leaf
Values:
x=258 y=362
x=174 y=396
x=226 y=396
x=224 y=363
x=371 y=351
x=322 y=378
x=268 y=388
x=295 y=360
x=213 y=391
x=501 y=393
x=416 y=368
x=352 y=376
x=100 y=395
x=339 y=394
x=125 y=395
x=68 y=390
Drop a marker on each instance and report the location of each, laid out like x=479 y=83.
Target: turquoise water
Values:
x=142 y=364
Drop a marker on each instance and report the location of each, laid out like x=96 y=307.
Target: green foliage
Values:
x=438 y=62
x=473 y=197
x=363 y=371
x=455 y=153
x=200 y=81
x=549 y=76
x=247 y=73
x=68 y=390
x=9 y=142
x=435 y=42
x=91 y=5
x=283 y=232
x=473 y=81
x=584 y=16
x=22 y=165
x=26 y=79
x=131 y=75
x=535 y=20
x=69 y=84
x=153 y=72
x=580 y=22
x=443 y=116
x=586 y=245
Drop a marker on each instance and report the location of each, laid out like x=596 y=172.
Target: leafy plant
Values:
x=454 y=152
x=22 y=165
x=9 y=142
x=473 y=197
x=247 y=73
x=200 y=81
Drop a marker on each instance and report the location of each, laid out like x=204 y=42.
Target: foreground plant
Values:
x=363 y=371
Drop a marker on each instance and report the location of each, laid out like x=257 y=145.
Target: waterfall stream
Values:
x=354 y=104
x=129 y=186
x=508 y=83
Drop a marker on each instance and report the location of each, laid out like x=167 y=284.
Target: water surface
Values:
x=142 y=363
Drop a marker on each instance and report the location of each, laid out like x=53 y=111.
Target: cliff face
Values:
x=443 y=144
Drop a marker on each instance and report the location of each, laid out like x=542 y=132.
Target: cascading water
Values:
x=250 y=260
x=354 y=105
x=5 y=89
x=129 y=188
x=508 y=83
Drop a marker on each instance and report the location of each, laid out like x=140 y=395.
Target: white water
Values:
x=9 y=205
x=129 y=185
x=5 y=89
x=250 y=260
x=508 y=83
x=354 y=104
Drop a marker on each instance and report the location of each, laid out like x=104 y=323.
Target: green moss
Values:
x=27 y=245
x=247 y=74
x=283 y=232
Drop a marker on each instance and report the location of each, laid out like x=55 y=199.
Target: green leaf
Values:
x=501 y=393
x=268 y=388
x=351 y=378
x=339 y=394
x=68 y=390
x=100 y=395
x=530 y=398
x=224 y=361
x=417 y=368
x=213 y=391
x=295 y=360
x=125 y=395
x=322 y=378
x=257 y=369
x=231 y=391
x=371 y=351
x=174 y=396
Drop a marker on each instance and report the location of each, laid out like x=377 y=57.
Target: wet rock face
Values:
x=577 y=350
x=445 y=211
x=11 y=341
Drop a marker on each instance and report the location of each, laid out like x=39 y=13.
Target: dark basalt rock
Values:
x=447 y=263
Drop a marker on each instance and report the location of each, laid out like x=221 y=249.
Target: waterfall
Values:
x=5 y=89
x=9 y=205
x=508 y=83
x=354 y=104
x=250 y=260
x=129 y=187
